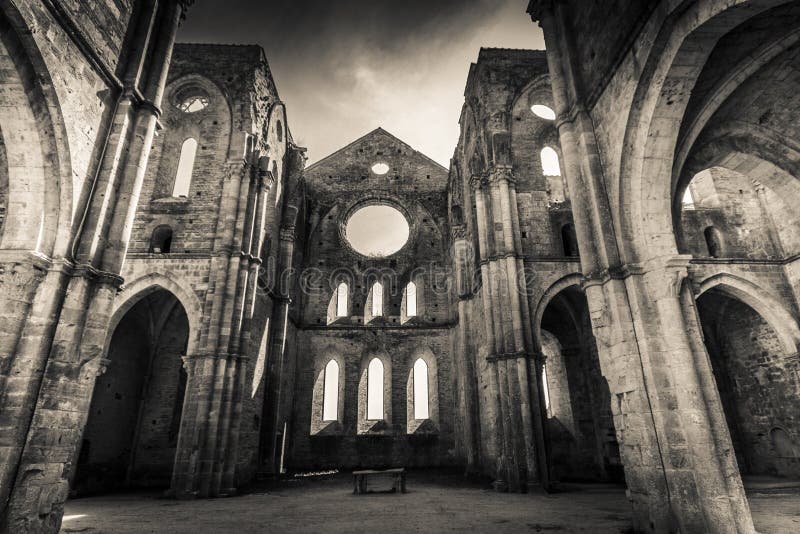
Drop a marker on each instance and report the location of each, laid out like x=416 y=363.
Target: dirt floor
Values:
x=434 y=503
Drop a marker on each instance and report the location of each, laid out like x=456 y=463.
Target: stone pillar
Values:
x=61 y=365
x=277 y=410
x=199 y=371
x=265 y=183
x=766 y=214
x=517 y=397
x=280 y=316
x=205 y=462
x=465 y=368
x=675 y=447
x=240 y=338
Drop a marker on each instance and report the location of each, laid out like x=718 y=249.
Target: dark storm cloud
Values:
x=346 y=67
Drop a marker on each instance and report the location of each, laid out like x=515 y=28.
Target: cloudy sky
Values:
x=345 y=67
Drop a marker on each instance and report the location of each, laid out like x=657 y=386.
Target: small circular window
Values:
x=377 y=230
x=543 y=112
x=191 y=99
x=380 y=168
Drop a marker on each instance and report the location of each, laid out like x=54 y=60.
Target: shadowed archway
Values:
x=131 y=434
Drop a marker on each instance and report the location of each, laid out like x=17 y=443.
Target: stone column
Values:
x=206 y=455
x=265 y=183
x=506 y=306
x=280 y=316
x=251 y=250
x=465 y=374
x=199 y=367
x=497 y=441
x=674 y=445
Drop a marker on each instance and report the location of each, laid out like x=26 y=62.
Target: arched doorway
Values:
x=580 y=426
x=132 y=432
x=758 y=385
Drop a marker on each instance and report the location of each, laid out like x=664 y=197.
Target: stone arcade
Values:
x=604 y=285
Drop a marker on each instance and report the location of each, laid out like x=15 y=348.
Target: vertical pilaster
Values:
x=462 y=355
x=506 y=305
x=280 y=316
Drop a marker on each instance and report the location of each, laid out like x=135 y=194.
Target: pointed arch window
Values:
x=341 y=300
x=421 y=394
x=411 y=300
x=377 y=299
x=375 y=390
x=550 y=165
x=330 y=395
x=183 y=178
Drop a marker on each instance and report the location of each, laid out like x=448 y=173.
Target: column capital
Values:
x=477 y=181
x=94 y=367
x=236 y=169
x=458 y=231
x=502 y=173
x=663 y=276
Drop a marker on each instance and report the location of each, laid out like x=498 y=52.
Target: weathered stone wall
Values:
x=103 y=24
x=84 y=98
x=758 y=384
x=241 y=106
x=734 y=208
x=601 y=32
x=67 y=121
x=344 y=445
x=335 y=187
x=502 y=87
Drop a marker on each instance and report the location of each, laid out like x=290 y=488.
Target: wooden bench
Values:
x=398 y=479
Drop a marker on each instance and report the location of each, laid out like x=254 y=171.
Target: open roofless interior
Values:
x=584 y=318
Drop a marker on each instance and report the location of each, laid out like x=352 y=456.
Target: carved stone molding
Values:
x=94 y=367
x=520 y=354
x=237 y=169
x=502 y=173
x=89 y=272
x=663 y=277
x=478 y=181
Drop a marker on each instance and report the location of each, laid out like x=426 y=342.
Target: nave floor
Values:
x=435 y=502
